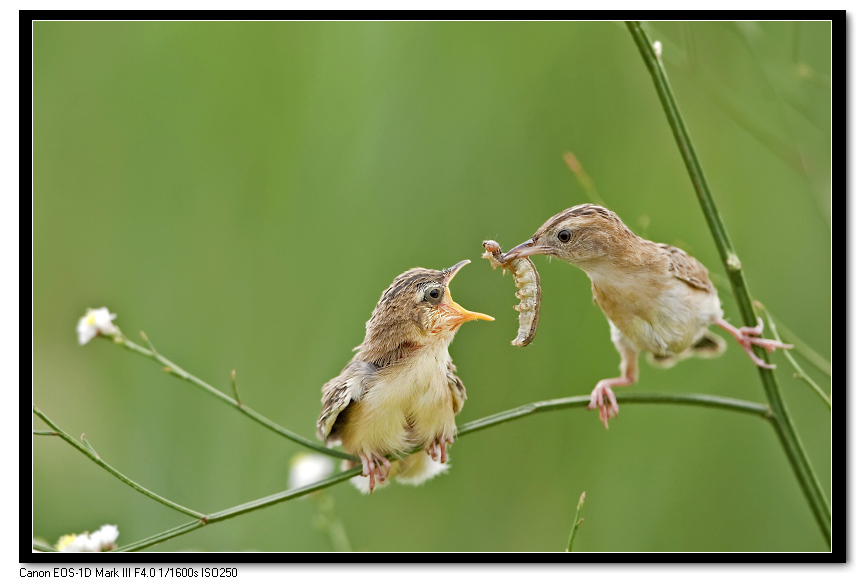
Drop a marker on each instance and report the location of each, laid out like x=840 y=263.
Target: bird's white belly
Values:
x=661 y=320
x=408 y=406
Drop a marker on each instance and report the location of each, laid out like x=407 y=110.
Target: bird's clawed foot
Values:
x=376 y=467
x=606 y=408
x=749 y=336
x=438 y=448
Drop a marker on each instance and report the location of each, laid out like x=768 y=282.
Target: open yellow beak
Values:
x=458 y=314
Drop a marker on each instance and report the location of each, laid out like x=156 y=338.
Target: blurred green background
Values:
x=243 y=192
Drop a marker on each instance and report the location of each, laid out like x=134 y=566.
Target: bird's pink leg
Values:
x=376 y=467
x=367 y=471
x=604 y=388
x=443 y=441
x=438 y=448
x=382 y=462
x=749 y=336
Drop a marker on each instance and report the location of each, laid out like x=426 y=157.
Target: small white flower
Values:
x=95 y=322
x=65 y=542
x=105 y=536
x=656 y=46
x=101 y=540
x=307 y=468
x=76 y=543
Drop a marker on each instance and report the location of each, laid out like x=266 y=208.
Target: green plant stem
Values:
x=98 y=460
x=805 y=351
x=799 y=372
x=583 y=178
x=241 y=509
x=803 y=348
x=496 y=419
x=781 y=419
x=42 y=547
x=577 y=522
x=328 y=521
x=626 y=398
x=254 y=415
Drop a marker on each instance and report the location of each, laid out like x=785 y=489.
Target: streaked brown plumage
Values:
x=657 y=298
x=400 y=390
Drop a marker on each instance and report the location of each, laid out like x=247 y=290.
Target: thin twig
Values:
x=711 y=401
x=803 y=348
x=88 y=451
x=722 y=97
x=177 y=371
x=577 y=522
x=799 y=372
x=89 y=447
x=583 y=178
x=234 y=386
x=42 y=547
x=466 y=429
x=470 y=427
x=782 y=422
x=749 y=32
x=241 y=509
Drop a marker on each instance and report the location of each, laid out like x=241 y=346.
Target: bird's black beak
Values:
x=523 y=250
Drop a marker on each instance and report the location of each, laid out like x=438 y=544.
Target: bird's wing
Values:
x=338 y=393
x=458 y=389
x=687 y=269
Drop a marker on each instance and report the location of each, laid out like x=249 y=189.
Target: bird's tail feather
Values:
x=708 y=345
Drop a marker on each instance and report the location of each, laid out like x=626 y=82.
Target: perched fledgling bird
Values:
x=656 y=297
x=400 y=390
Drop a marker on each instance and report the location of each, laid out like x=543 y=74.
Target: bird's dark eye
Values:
x=433 y=295
x=564 y=235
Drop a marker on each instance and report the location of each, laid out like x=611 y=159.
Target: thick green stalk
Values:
x=780 y=417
